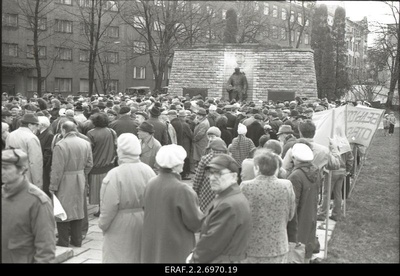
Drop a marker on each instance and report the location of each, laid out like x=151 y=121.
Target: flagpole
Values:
x=328 y=199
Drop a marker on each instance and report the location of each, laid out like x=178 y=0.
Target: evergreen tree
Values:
x=318 y=43
x=342 y=83
x=327 y=78
x=231 y=28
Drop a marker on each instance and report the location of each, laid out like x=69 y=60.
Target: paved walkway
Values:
x=90 y=252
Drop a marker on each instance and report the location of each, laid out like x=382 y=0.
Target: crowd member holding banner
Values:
x=272 y=205
x=302 y=228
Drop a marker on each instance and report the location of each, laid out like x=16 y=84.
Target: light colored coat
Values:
x=121 y=212
x=272 y=204
x=200 y=139
x=149 y=151
x=72 y=162
x=24 y=139
x=171 y=217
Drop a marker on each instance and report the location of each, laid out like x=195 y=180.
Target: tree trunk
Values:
x=36 y=49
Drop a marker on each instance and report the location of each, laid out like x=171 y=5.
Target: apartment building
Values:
x=64 y=48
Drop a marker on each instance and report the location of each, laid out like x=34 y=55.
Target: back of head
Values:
x=69 y=126
x=274 y=145
x=266 y=161
x=307 y=129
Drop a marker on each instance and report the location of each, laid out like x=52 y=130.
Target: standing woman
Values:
x=103 y=141
x=272 y=205
x=121 y=195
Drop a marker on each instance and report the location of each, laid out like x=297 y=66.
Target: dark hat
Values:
x=109 y=104
x=30 y=118
x=294 y=113
x=42 y=104
x=101 y=105
x=155 y=111
x=147 y=127
x=308 y=110
x=273 y=114
x=14 y=156
x=124 y=109
x=258 y=117
x=5 y=113
x=144 y=114
x=223 y=161
x=78 y=107
x=202 y=111
x=285 y=129
x=30 y=107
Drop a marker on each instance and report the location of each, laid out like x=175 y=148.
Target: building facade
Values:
x=64 y=45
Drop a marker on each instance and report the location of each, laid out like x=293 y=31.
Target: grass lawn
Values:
x=370 y=231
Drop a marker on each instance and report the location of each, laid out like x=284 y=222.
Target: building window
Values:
x=256 y=6
x=30 y=53
x=32 y=84
x=63 y=26
x=210 y=11
x=265 y=33
x=169 y=73
x=306 y=39
x=284 y=14
x=10 y=20
x=85 y=3
x=292 y=36
x=64 y=53
x=83 y=85
x=84 y=55
x=196 y=7
x=292 y=16
x=298 y=37
x=274 y=32
x=275 y=11
x=266 y=8
x=42 y=23
x=283 y=33
x=65 y=2
x=112 y=85
x=159 y=3
x=154 y=76
x=10 y=49
x=111 y=6
x=139 y=72
x=210 y=34
x=139 y=47
x=299 y=19
x=113 y=32
x=63 y=85
x=307 y=22
x=139 y=22
x=111 y=57
x=223 y=14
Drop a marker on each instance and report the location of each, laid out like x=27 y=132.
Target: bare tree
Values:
x=35 y=19
x=299 y=21
x=163 y=26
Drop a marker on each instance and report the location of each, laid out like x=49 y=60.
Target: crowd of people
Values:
x=256 y=177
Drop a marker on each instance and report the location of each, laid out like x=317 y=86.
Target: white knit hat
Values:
x=128 y=145
x=302 y=152
x=242 y=129
x=169 y=156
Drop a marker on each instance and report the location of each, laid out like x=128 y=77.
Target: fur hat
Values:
x=128 y=144
x=169 y=156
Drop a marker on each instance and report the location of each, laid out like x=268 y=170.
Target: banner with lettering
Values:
x=362 y=122
x=346 y=124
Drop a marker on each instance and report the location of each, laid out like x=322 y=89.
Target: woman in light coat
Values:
x=121 y=197
x=272 y=205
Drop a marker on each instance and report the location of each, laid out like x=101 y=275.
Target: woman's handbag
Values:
x=297 y=253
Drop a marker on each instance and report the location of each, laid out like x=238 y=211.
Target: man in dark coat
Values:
x=45 y=135
x=231 y=120
x=237 y=86
x=255 y=130
x=184 y=137
x=160 y=129
x=275 y=123
x=125 y=124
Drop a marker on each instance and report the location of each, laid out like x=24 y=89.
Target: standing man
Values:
x=160 y=129
x=200 y=139
x=237 y=86
x=124 y=124
x=27 y=217
x=72 y=162
x=45 y=135
x=226 y=228
x=25 y=138
x=149 y=144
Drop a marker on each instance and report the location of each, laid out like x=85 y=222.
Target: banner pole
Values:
x=328 y=199
x=345 y=179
